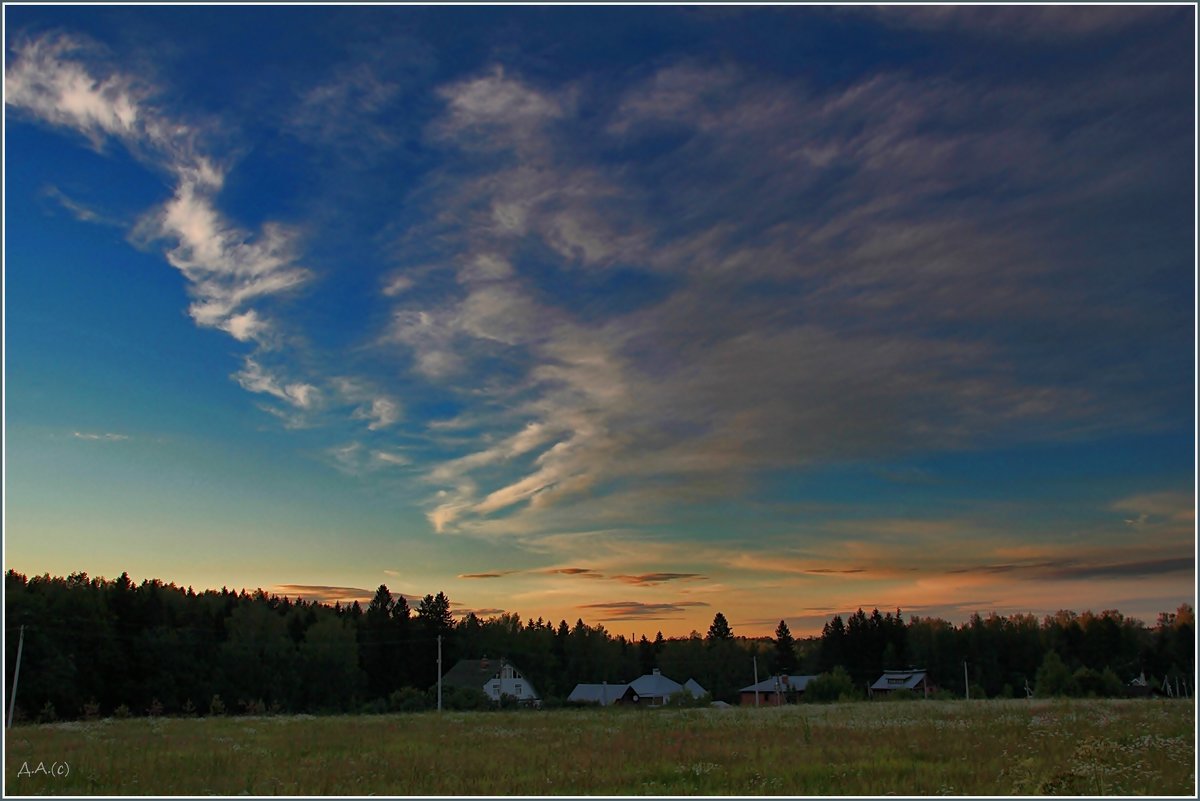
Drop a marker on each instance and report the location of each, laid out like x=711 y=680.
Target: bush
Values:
x=376 y=706
x=1110 y=685
x=1052 y=678
x=465 y=699
x=835 y=686
x=91 y=710
x=903 y=694
x=410 y=699
x=47 y=715
x=254 y=707
x=509 y=702
x=686 y=700
x=216 y=706
x=121 y=712
x=1089 y=683
x=155 y=709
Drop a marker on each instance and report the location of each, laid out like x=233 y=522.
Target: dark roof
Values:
x=472 y=673
x=603 y=694
x=899 y=680
x=786 y=684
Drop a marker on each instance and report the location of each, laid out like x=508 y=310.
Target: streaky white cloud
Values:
x=226 y=267
x=397 y=285
x=56 y=79
x=253 y=377
x=749 y=361
x=355 y=459
x=478 y=106
x=77 y=209
x=429 y=334
x=44 y=81
x=382 y=413
x=379 y=410
x=99 y=437
x=230 y=272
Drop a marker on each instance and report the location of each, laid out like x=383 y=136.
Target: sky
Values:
x=628 y=314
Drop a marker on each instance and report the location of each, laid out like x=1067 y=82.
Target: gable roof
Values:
x=602 y=694
x=471 y=673
x=693 y=687
x=788 y=684
x=655 y=685
x=899 y=680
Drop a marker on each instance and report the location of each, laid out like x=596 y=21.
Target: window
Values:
x=518 y=687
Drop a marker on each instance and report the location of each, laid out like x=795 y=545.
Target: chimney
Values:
x=657 y=672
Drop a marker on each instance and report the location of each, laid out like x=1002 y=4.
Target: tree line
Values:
x=99 y=647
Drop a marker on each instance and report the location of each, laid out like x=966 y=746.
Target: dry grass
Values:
x=917 y=748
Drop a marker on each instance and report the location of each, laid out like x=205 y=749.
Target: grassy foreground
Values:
x=915 y=748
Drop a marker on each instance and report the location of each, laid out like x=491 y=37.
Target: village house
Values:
x=912 y=679
x=775 y=690
x=652 y=689
x=494 y=677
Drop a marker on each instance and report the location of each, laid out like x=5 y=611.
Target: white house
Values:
x=494 y=677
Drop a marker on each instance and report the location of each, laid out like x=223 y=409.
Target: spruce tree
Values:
x=719 y=630
x=785 y=649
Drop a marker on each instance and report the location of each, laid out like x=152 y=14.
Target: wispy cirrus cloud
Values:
x=651 y=579
x=63 y=81
x=482 y=612
x=100 y=437
x=254 y=378
x=324 y=593
x=1053 y=23
x=234 y=276
x=78 y=210
x=344 y=110
x=683 y=390
x=636 y=610
x=357 y=459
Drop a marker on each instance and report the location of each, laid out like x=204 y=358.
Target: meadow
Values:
x=1072 y=747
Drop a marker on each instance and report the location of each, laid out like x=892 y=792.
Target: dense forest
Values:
x=98 y=647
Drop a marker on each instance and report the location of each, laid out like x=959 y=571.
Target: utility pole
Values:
x=12 y=701
x=439 y=673
x=966 y=681
x=756 y=680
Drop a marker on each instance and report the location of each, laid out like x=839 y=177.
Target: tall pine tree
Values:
x=785 y=649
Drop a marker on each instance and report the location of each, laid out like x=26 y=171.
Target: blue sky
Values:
x=630 y=314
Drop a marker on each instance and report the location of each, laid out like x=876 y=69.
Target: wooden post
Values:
x=12 y=701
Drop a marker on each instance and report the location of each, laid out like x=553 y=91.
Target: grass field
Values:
x=914 y=748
